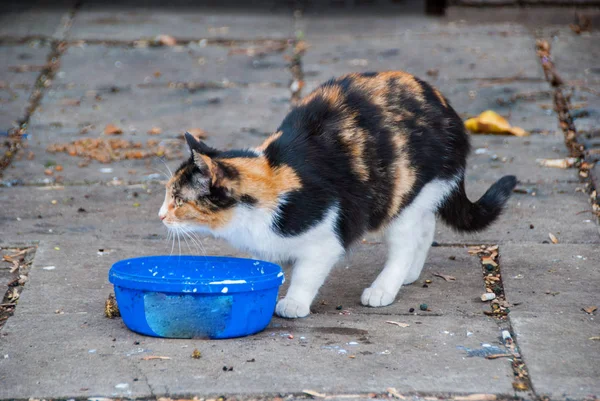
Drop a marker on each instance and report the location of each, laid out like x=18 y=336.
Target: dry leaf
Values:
x=196 y=354
x=153 y=357
x=154 y=131
x=314 y=393
x=490 y=122
x=394 y=393
x=111 y=129
x=111 y=309
x=197 y=133
x=558 y=163
x=399 y=324
x=489 y=261
x=166 y=40
x=595 y=338
x=553 y=238
x=444 y=276
x=590 y=309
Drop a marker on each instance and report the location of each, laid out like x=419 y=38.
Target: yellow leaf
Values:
x=490 y=122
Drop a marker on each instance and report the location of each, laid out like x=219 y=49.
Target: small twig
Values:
x=496 y=356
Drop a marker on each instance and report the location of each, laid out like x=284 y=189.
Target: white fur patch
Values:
x=314 y=252
x=409 y=238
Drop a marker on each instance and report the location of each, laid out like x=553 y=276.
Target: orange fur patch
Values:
x=331 y=94
x=404 y=175
x=440 y=97
x=354 y=139
x=203 y=216
x=272 y=138
x=261 y=181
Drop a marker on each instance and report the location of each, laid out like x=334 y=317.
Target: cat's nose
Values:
x=162 y=217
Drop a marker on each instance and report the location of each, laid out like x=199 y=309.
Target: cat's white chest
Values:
x=251 y=229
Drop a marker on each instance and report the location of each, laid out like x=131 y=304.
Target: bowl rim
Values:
x=270 y=279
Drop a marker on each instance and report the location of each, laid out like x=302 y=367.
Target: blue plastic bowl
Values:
x=196 y=296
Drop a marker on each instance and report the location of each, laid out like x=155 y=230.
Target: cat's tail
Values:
x=463 y=215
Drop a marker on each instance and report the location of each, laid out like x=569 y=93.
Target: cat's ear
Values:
x=199 y=146
x=208 y=168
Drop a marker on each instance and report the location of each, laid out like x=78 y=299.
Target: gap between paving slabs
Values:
x=573 y=141
x=14 y=141
x=489 y=256
x=14 y=273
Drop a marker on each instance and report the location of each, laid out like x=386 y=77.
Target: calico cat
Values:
x=363 y=152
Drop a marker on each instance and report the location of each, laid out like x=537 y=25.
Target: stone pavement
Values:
x=229 y=76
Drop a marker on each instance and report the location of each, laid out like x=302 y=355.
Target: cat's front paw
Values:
x=376 y=297
x=291 y=309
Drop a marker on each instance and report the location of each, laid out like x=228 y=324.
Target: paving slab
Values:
x=183 y=20
x=576 y=56
x=451 y=57
x=405 y=358
x=124 y=66
x=322 y=19
x=232 y=117
x=20 y=65
x=43 y=18
x=495 y=156
x=528 y=105
x=553 y=283
x=585 y=109
x=14 y=103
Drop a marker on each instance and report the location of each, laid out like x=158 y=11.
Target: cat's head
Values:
x=201 y=192
x=206 y=189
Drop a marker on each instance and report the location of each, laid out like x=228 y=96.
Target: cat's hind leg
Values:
x=409 y=237
x=403 y=244
x=426 y=231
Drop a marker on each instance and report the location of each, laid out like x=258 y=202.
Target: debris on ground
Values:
x=553 y=238
x=445 y=276
x=20 y=260
x=111 y=309
x=424 y=307
x=475 y=397
x=488 y=296
x=196 y=354
x=165 y=40
x=483 y=352
x=155 y=357
x=154 y=131
x=590 y=309
x=567 y=162
x=490 y=122
x=268 y=47
x=106 y=150
x=314 y=393
x=582 y=23
x=112 y=129
x=399 y=324
x=394 y=393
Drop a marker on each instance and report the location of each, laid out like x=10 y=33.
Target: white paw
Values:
x=291 y=309
x=376 y=297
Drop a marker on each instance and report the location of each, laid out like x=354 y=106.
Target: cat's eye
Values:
x=178 y=202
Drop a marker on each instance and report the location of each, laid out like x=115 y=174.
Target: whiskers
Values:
x=182 y=232
x=168 y=174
